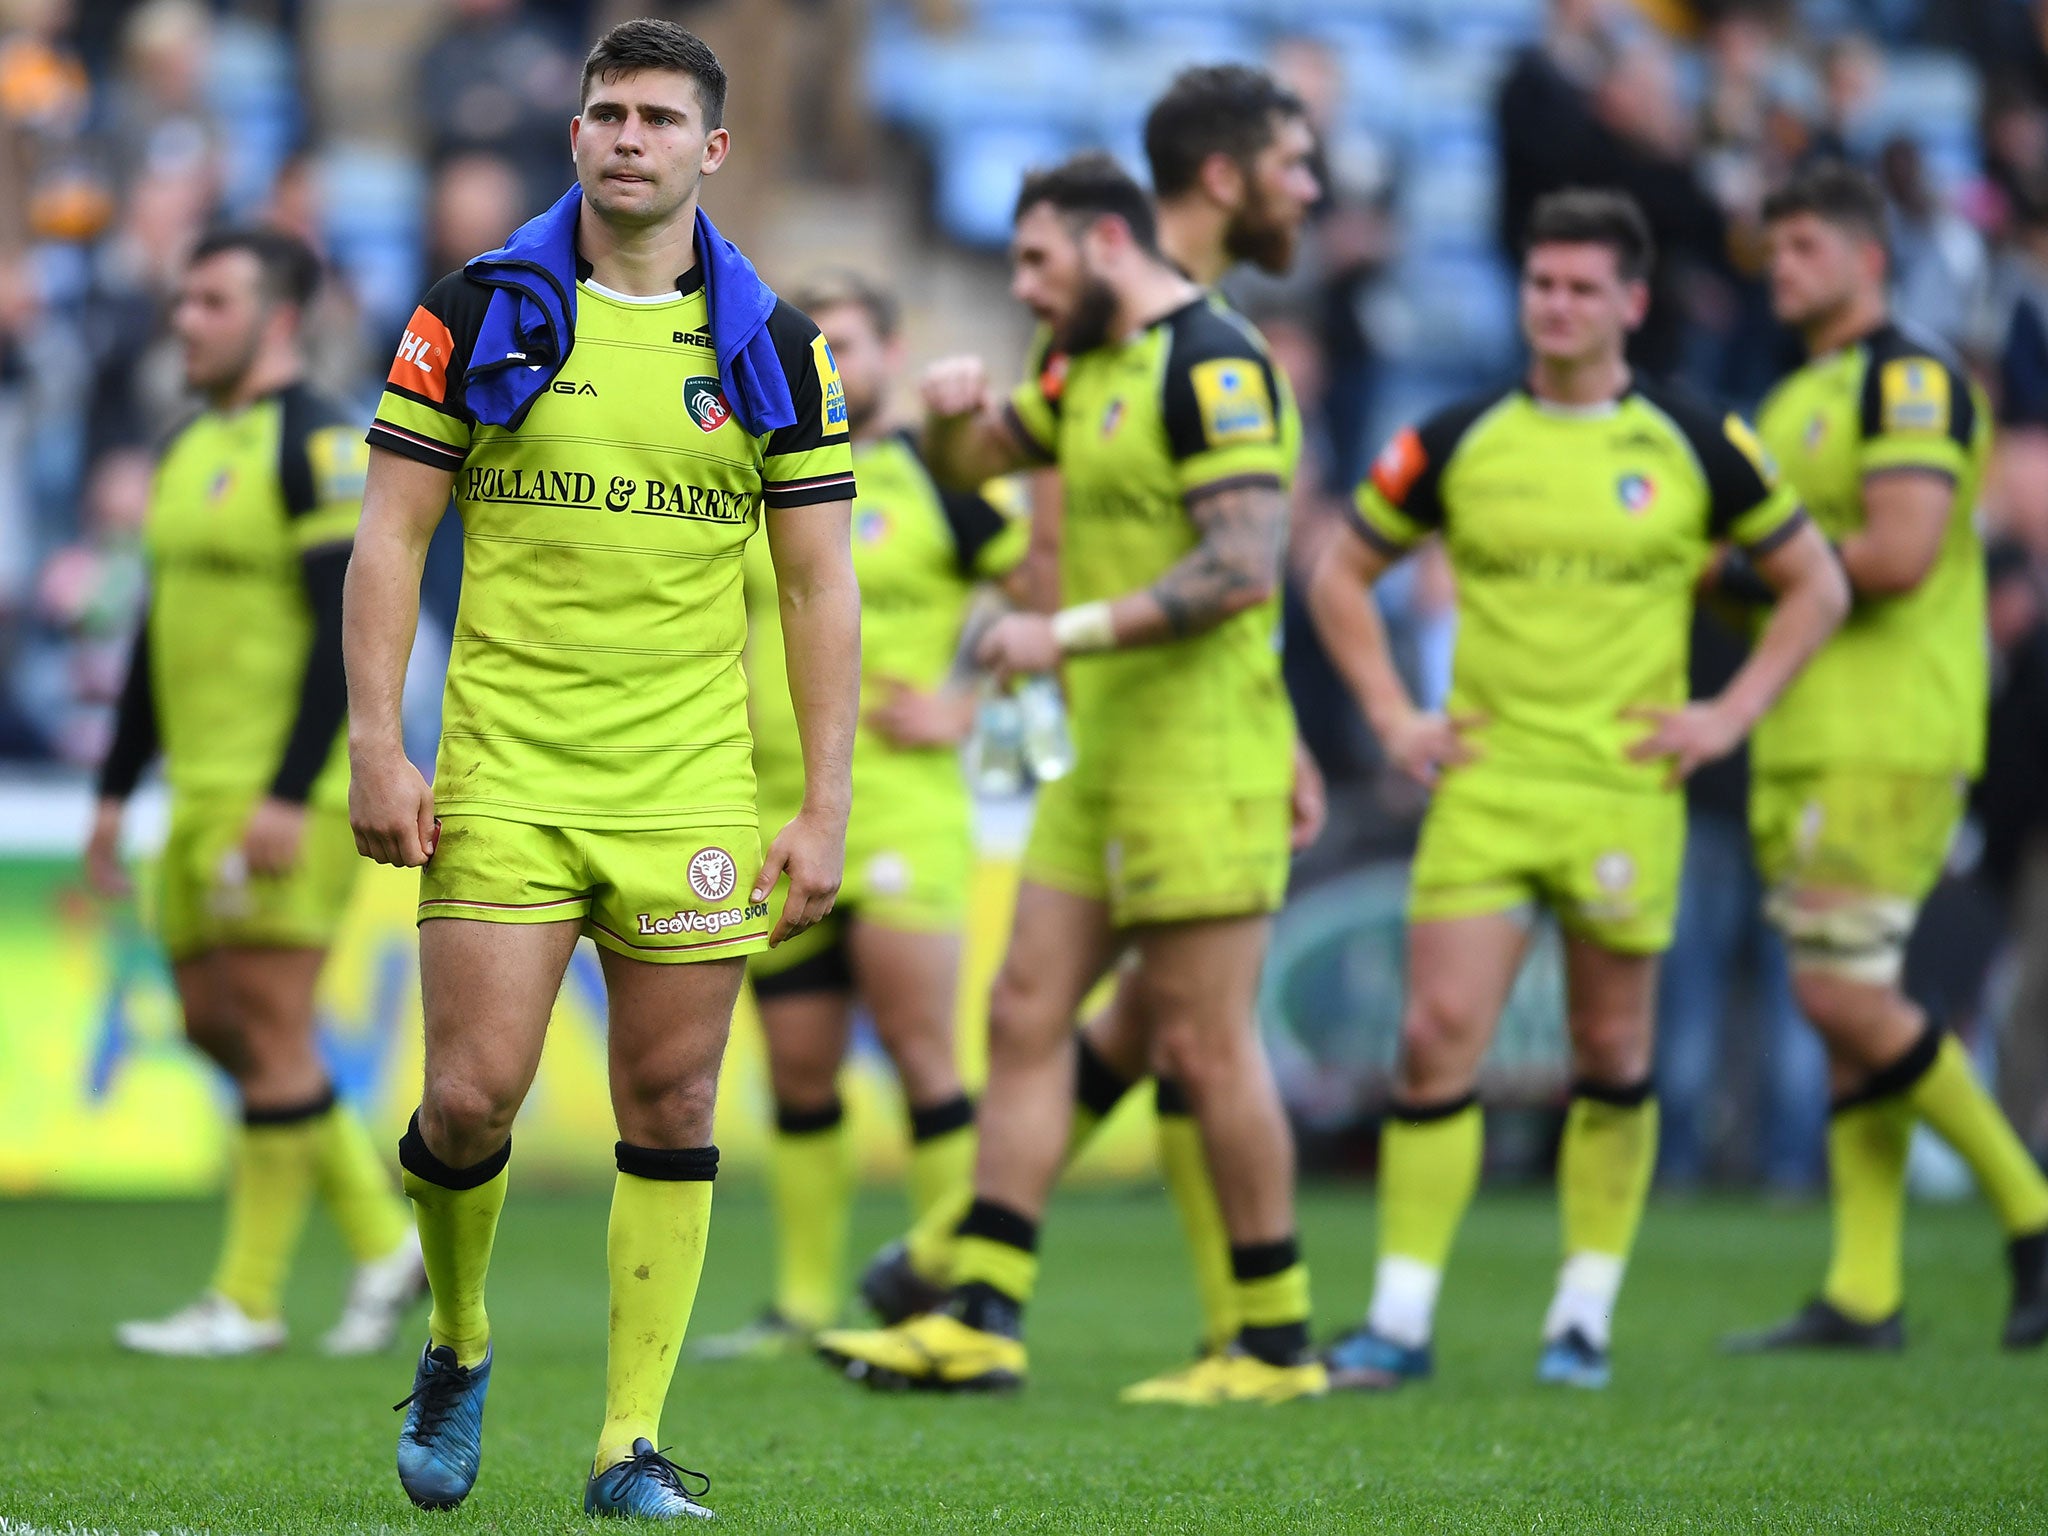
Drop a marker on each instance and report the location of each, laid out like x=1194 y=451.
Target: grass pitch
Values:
x=1951 y=1436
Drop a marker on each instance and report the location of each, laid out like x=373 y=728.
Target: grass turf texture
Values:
x=1947 y=1437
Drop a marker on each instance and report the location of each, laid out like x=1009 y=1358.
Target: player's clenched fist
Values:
x=956 y=386
x=391 y=808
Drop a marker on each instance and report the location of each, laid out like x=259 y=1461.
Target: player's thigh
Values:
x=487 y=990
x=1060 y=945
x=909 y=979
x=806 y=1033
x=1121 y=1031
x=1610 y=1009
x=271 y=991
x=210 y=1022
x=1460 y=971
x=668 y=1028
x=1196 y=984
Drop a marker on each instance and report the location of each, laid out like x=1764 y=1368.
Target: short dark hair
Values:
x=1092 y=185
x=651 y=44
x=1212 y=109
x=290 y=270
x=838 y=289
x=1842 y=194
x=1595 y=216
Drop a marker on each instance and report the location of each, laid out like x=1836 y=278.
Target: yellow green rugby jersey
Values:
x=1188 y=406
x=1903 y=684
x=596 y=677
x=1576 y=537
x=237 y=501
x=918 y=554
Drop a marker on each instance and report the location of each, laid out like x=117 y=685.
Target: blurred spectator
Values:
x=1851 y=75
x=501 y=83
x=1727 y=967
x=161 y=123
x=1940 y=268
x=475 y=203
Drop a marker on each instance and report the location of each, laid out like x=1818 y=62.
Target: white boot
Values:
x=378 y=1298
x=212 y=1328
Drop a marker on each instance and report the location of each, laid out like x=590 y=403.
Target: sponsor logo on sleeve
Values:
x=1751 y=447
x=1233 y=402
x=832 y=391
x=705 y=402
x=340 y=459
x=423 y=356
x=1913 y=395
x=1399 y=465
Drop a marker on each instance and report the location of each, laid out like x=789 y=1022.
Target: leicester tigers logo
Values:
x=705 y=402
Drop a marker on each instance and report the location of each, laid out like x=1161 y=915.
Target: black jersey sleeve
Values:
x=421 y=415
x=811 y=461
x=1747 y=503
x=1917 y=410
x=1401 y=501
x=135 y=742
x=1220 y=403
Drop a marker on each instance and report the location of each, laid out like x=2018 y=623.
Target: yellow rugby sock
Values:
x=661 y=1215
x=810 y=1181
x=456 y=1210
x=1098 y=1089
x=1949 y=1098
x=1184 y=1162
x=1867 y=1144
x=1430 y=1156
x=941 y=1184
x=1603 y=1180
x=356 y=1187
x=269 y=1194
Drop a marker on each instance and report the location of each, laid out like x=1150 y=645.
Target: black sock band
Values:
x=291 y=1114
x=1257 y=1261
x=1276 y=1343
x=1896 y=1078
x=1098 y=1087
x=806 y=1122
x=942 y=1118
x=685 y=1165
x=1625 y=1096
x=416 y=1160
x=999 y=1224
x=1170 y=1097
x=1422 y=1114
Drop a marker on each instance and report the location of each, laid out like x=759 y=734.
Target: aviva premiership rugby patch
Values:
x=1233 y=400
x=829 y=386
x=1914 y=395
x=705 y=402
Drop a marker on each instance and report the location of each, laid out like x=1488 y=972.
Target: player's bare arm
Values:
x=820 y=603
x=1905 y=518
x=1813 y=597
x=1419 y=742
x=1235 y=567
x=968 y=439
x=390 y=804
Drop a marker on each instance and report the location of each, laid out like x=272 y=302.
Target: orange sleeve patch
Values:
x=423 y=356
x=1399 y=466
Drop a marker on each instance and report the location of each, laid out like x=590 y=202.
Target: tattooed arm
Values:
x=1236 y=566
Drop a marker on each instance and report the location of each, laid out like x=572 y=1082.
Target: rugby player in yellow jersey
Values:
x=921 y=554
x=612 y=400
x=1232 y=158
x=236 y=678
x=1578 y=510
x=1858 y=773
x=1170 y=838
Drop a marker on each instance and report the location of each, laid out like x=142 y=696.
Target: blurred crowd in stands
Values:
x=402 y=136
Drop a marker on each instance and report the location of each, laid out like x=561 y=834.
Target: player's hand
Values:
x=1018 y=643
x=273 y=837
x=104 y=871
x=391 y=808
x=955 y=386
x=910 y=717
x=811 y=850
x=1422 y=743
x=1700 y=733
x=1309 y=804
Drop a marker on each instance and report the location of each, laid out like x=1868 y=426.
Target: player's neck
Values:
x=1191 y=237
x=1153 y=290
x=642 y=262
x=269 y=373
x=1576 y=381
x=1855 y=319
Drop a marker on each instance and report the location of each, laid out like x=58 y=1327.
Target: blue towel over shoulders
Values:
x=529 y=327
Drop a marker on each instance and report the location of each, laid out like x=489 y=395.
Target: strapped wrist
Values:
x=1084 y=628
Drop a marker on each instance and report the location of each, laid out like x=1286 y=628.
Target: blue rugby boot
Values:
x=646 y=1486
x=1364 y=1361
x=443 y=1437
x=1573 y=1360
